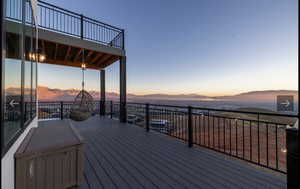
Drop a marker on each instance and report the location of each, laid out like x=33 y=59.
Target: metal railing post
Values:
x=100 y=108
x=190 y=127
x=111 y=109
x=147 y=118
x=292 y=157
x=25 y=110
x=81 y=26
x=61 y=110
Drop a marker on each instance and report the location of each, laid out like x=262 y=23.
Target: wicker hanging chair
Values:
x=83 y=104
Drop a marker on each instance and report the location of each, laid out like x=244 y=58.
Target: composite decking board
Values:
x=91 y=176
x=185 y=165
x=238 y=177
x=187 y=183
x=158 y=177
x=100 y=171
x=108 y=165
x=162 y=136
x=191 y=180
x=138 y=164
x=253 y=178
x=237 y=164
x=185 y=161
x=225 y=180
x=157 y=167
x=131 y=169
x=159 y=158
x=160 y=183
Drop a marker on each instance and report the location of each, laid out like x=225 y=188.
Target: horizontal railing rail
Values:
x=57 y=19
x=256 y=137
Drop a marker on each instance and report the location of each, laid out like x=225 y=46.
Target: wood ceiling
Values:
x=65 y=55
x=62 y=54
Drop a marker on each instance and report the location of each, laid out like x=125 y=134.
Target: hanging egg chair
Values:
x=83 y=105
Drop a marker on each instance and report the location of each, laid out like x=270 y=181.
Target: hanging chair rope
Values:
x=83 y=105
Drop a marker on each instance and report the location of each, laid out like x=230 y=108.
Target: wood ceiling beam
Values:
x=108 y=62
x=77 y=55
x=55 y=51
x=43 y=50
x=68 y=53
x=88 y=56
x=99 y=55
x=104 y=59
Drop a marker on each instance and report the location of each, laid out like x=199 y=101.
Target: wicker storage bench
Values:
x=50 y=157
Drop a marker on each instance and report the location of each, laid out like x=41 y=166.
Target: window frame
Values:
x=2 y=45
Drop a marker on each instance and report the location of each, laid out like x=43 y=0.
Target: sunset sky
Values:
x=209 y=47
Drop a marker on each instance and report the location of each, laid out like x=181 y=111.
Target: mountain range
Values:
x=49 y=94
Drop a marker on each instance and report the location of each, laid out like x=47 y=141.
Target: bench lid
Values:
x=58 y=134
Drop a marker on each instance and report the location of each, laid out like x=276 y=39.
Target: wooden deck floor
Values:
x=126 y=156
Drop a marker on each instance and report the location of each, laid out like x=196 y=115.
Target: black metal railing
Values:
x=57 y=19
x=256 y=137
x=60 y=109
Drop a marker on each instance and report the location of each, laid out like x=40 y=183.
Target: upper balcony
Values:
x=65 y=36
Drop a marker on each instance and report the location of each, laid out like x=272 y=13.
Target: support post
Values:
x=147 y=118
x=190 y=127
x=102 y=93
x=123 y=113
x=292 y=157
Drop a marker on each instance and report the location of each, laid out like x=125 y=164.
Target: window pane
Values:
x=34 y=71
x=28 y=66
x=27 y=90
x=19 y=71
x=12 y=111
x=33 y=89
x=12 y=84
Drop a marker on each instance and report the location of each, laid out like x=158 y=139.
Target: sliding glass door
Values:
x=18 y=71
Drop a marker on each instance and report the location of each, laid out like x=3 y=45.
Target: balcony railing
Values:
x=60 y=20
x=259 y=138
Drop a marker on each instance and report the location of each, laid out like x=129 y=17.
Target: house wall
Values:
x=8 y=163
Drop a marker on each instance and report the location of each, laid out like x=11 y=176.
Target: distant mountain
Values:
x=259 y=96
x=172 y=97
x=48 y=94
